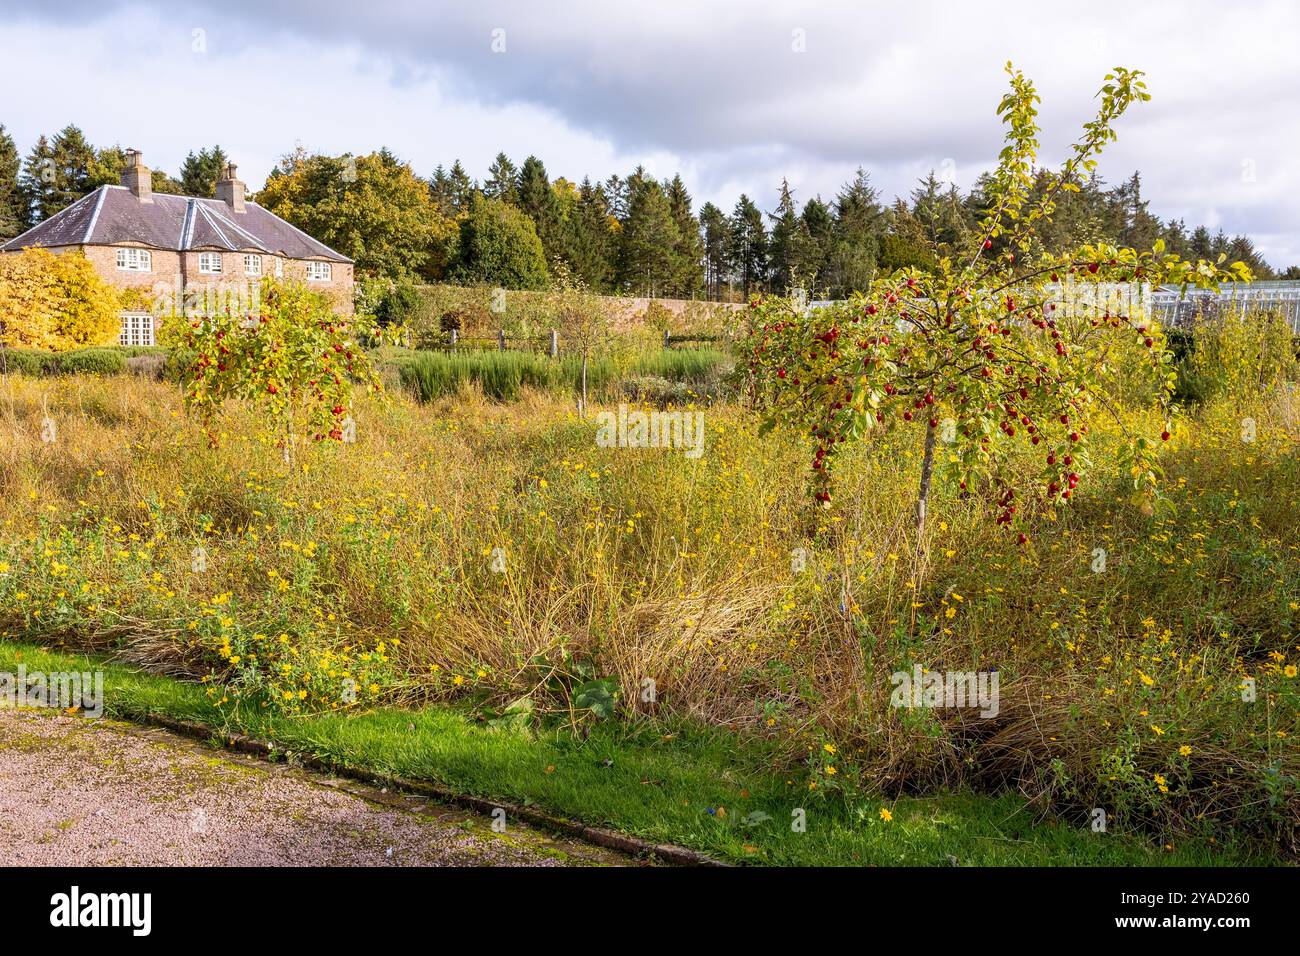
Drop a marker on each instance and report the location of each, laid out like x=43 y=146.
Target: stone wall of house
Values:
x=176 y=272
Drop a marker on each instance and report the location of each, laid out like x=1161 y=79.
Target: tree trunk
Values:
x=927 y=469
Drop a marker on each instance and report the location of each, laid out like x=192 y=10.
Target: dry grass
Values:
x=375 y=561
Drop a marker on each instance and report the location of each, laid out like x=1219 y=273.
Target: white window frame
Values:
x=279 y=268
x=205 y=263
x=137 y=329
x=135 y=260
x=320 y=271
x=252 y=264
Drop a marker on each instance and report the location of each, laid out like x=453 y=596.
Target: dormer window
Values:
x=135 y=260
x=210 y=263
x=252 y=265
x=319 y=271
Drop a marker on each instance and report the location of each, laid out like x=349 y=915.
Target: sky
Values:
x=733 y=94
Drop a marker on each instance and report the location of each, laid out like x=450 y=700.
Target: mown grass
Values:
x=681 y=783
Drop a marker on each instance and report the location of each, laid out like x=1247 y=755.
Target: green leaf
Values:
x=597 y=696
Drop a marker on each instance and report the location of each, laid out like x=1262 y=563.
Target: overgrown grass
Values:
x=680 y=783
x=492 y=556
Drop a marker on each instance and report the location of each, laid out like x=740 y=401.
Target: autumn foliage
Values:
x=55 y=302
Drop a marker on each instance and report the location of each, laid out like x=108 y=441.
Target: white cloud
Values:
x=715 y=90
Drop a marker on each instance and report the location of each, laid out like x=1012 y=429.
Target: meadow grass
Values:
x=491 y=557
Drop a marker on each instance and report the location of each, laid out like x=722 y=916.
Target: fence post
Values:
x=666 y=345
x=555 y=343
x=453 y=338
x=501 y=340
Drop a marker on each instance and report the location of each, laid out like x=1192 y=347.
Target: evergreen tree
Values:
x=747 y=245
x=200 y=172
x=616 y=191
x=819 y=224
x=1137 y=227
x=35 y=182
x=859 y=225
x=1201 y=243
x=57 y=173
x=501 y=180
x=450 y=191
x=592 y=238
x=688 y=252
x=790 y=248
x=717 y=265
x=537 y=198
x=13 y=207
x=940 y=214
x=648 y=240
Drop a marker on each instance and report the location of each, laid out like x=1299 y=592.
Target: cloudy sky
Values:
x=734 y=94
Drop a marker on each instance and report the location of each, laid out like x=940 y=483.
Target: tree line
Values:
x=628 y=234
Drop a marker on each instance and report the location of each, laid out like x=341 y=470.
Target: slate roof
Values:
x=112 y=215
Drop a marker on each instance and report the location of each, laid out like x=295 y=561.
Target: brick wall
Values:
x=174 y=271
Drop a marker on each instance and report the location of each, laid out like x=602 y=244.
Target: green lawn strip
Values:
x=699 y=788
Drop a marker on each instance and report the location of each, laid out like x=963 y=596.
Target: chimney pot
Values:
x=230 y=190
x=136 y=176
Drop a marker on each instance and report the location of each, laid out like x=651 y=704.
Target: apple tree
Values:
x=984 y=345
x=290 y=355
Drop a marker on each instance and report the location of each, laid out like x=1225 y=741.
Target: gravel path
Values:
x=85 y=792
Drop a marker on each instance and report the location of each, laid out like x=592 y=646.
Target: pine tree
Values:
x=36 y=181
x=537 y=198
x=200 y=172
x=13 y=207
x=646 y=261
x=501 y=180
x=717 y=264
x=450 y=191
x=57 y=173
x=1137 y=227
x=859 y=225
x=592 y=238
x=789 y=251
x=688 y=253
x=820 y=226
x=940 y=213
x=747 y=245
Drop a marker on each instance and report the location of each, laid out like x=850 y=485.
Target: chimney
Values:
x=136 y=176
x=230 y=190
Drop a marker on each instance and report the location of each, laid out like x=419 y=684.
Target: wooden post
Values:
x=666 y=345
x=555 y=343
x=501 y=340
x=453 y=338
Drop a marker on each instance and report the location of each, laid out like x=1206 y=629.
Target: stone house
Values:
x=185 y=253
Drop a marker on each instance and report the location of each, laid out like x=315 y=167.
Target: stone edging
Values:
x=599 y=836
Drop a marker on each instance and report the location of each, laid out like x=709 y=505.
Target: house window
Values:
x=319 y=271
x=252 y=265
x=135 y=260
x=279 y=268
x=137 y=329
x=210 y=263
